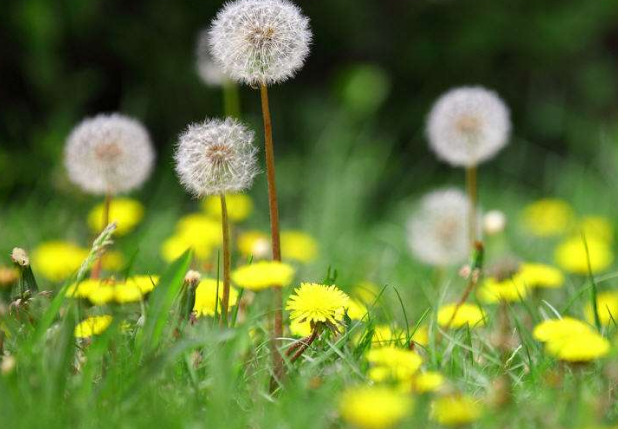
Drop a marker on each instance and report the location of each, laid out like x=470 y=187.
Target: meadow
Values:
x=287 y=262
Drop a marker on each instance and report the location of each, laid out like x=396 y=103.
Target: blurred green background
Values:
x=349 y=129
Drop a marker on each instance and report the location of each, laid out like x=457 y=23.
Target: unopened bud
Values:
x=193 y=278
x=8 y=364
x=20 y=257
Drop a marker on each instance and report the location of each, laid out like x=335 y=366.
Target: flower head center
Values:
x=448 y=230
x=219 y=154
x=108 y=152
x=261 y=37
x=468 y=125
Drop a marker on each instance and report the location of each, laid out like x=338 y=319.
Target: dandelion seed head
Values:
x=494 y=222
x=468 y=125
x=216 y=157
x=207 y=69
x=438 y=230
x=260 y=41
x=109 y=154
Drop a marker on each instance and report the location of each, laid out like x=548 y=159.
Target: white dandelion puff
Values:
x=260 y=41
x=468 y=125
x=109 y=154
x=438 y=230
x=216 y=157
x=494 y=222
x=207 y=69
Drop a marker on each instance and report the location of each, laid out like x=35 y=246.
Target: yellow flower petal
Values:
x=455 y=410
x=298 y=246
x=548 y=217
x=92 y=326
x=317 y=303
x=206 y=296
x=392 y=363
x=239 y=207
x=57 y=260
x=374 y=407
x=254 y=244
x=126 y=212
x=571 y=255
x=607 y=306
x=468 y=314
x=263 y=274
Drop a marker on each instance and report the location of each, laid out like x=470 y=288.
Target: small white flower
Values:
x=468 y=125
x=216 y=157
x=260 y=41
x=208 y=70
x=109 y=154
x=438 y=230
x=494 y=222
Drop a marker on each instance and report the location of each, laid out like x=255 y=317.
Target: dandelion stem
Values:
x=274 y=229
x=476 y=269
x=96 y=271
x=225 y=299
x=231 y=99
x=303 y=344
x=471 y=188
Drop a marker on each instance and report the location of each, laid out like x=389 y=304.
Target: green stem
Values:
x=231 y=99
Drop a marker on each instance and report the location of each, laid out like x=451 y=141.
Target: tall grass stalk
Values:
x=98 y=266
x=225 y=298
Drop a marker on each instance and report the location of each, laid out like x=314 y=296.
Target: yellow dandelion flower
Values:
x=92 y=326
x=468 y=314
x=57 y=260
x=598 y=227
x=540 y=276
x=300 y=329
x=508 y=290
x=426 y=382
x=102 y=294
x=144 y=283
x=555 y=329
x=254 y=244
x=298 y=246
x=580 y=347
x=421 y=336
x=107 y=291
x=385 y=335
x=239 y=207
x=367 y=292
x=8 y=276
x=571 y=255
x=125 y=293
x=607 y=306
x=113 y=260
x=455 y=410
x=356 y=310
x=126 y=212
x=197 y=228
x=263 y=274
x=83 y=289
x=315 y=303
x=206 y=296
x=392 y=363
x=548 y=217
x=176 y=245
x=374 y=407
